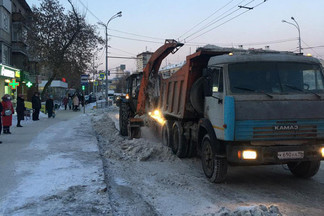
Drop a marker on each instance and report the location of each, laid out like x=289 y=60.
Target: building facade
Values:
x=14 y=61
x=168 y=70
x=142 y=60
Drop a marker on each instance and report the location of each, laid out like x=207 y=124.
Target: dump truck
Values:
x=237 y=107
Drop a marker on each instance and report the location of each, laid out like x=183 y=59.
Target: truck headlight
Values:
x=322 y=151
x=249 y=155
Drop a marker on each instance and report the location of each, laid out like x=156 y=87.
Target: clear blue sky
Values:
x=170 y=19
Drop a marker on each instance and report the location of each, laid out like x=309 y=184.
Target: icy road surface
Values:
x=52 y=167
x=145 y=178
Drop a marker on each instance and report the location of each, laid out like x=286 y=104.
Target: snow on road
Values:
x=145 y=178
x=64 y=176
x=61 y=172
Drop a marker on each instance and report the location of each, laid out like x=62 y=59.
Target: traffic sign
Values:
x=84 y=79
x=96 y=83
x=102 y=75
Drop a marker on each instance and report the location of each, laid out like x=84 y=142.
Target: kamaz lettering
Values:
x=285 y=127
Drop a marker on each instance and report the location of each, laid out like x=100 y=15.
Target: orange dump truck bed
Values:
x=175 y=90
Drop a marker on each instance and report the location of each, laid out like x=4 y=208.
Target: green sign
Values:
x=13 y=84
x=29 y=84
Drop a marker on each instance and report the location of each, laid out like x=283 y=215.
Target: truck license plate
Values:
x=291 y=155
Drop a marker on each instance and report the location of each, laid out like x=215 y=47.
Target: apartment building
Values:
x=14 y=61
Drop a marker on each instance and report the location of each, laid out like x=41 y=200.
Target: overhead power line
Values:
x=134 y=39
x=228 y=20
x=267 y=42
x=205 y=19
x=123 y=57
x=219 y=18
x=312 y=49
x=88 y=10
x=137 y=35
x=122 y=50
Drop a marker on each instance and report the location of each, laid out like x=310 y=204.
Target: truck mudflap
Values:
x=273 y=154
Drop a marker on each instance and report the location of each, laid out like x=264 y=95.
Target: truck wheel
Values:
x=305 y=169
x=124 y=113
x=166 y=134
x=215 y=168
x=178 y=142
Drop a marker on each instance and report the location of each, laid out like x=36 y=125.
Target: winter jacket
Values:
x=7 y=120
x=36 y=103
x=65 y=101
x=49 y=105
x=75 y=100
x=20 y=108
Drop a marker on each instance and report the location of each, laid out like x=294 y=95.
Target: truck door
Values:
x=214 y=107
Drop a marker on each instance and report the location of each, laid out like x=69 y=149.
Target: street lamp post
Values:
x=119 y=14
x=297 y=27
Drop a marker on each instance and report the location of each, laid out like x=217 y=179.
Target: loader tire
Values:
x=124 y=115
x=305 y=169
x=215 y=167
x=178 y=141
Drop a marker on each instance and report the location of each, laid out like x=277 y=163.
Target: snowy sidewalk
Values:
x=52 y=167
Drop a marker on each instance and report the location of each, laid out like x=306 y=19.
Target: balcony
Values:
x=19 y=47
x=18 y=17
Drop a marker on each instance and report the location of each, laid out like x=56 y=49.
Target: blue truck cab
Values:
x=264 y=108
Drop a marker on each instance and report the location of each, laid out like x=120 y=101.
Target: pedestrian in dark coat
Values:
x=6 y=113
x=65 y=102
x=36 y=104
x=20 y=109
x=49 y=106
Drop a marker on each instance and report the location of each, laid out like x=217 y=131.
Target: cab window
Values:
x=217 y=73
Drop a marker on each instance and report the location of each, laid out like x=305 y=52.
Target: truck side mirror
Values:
x=208 y=87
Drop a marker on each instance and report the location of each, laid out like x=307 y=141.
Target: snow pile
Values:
x=121 y=148
x=260 y=210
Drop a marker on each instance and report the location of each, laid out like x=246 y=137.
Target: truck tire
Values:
x=305 y=169
x=124 y=114
x=166 y=134
x=178 y=141
x=215 y=168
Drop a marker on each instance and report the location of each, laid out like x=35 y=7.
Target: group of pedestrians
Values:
x=73 y=101
x=36 y=105
x=7 y=110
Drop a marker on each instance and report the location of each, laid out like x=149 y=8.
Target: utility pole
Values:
x=119 y=14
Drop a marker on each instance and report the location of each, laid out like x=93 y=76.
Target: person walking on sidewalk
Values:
x=20 y=109
x=49 y=106
x=36 y=104
x=76 y=102
x=7 y=112
x=65 y=102
x=70 y=102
